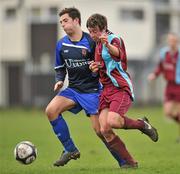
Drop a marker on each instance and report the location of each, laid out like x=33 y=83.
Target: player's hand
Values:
x=94 y=66
x=104 y=38
x=151 y=77
x=58 y=85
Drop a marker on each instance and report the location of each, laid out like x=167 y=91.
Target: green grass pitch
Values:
x=18 y=125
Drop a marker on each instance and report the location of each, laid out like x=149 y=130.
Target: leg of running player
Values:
x=96 y=126
x=115 y=143
x=58 y=105
x=172 y=110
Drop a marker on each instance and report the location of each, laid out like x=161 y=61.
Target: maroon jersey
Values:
x=119 y=73
x=167 y=66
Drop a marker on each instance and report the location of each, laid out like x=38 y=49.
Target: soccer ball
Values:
x=25 y=152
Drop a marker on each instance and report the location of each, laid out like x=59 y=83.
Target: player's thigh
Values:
x=120 y=103
x=58 y=105
x=169 y=108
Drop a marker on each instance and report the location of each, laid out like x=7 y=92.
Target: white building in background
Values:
x=29 y=30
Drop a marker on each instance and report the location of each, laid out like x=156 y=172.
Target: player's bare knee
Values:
x=50 y=112
x=115 y=122
x=105 y=131
x=47 y=111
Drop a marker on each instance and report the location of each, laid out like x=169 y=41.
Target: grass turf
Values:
x=19 y=124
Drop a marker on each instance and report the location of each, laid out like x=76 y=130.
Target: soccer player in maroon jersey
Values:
x=117 y=95
x=169 y=66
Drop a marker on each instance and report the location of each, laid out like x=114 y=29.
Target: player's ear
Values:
x=77 y=21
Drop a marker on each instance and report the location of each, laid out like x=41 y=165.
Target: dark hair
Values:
x=72 y=12
x=97 y=20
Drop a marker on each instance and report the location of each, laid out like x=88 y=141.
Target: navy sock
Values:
x=62 y=132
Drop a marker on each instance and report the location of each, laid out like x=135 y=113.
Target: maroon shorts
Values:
x=172 y=92
x=115 y=99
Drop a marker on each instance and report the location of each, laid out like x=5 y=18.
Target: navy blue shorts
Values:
x=88 y=102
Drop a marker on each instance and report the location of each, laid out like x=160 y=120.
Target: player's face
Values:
x=68 y=24
x=172 y=41
x=95 y=33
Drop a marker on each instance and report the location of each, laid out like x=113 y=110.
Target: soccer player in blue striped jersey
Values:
x=74 y=52
x=117 y=94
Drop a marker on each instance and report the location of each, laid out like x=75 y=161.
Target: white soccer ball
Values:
x=25 y=152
